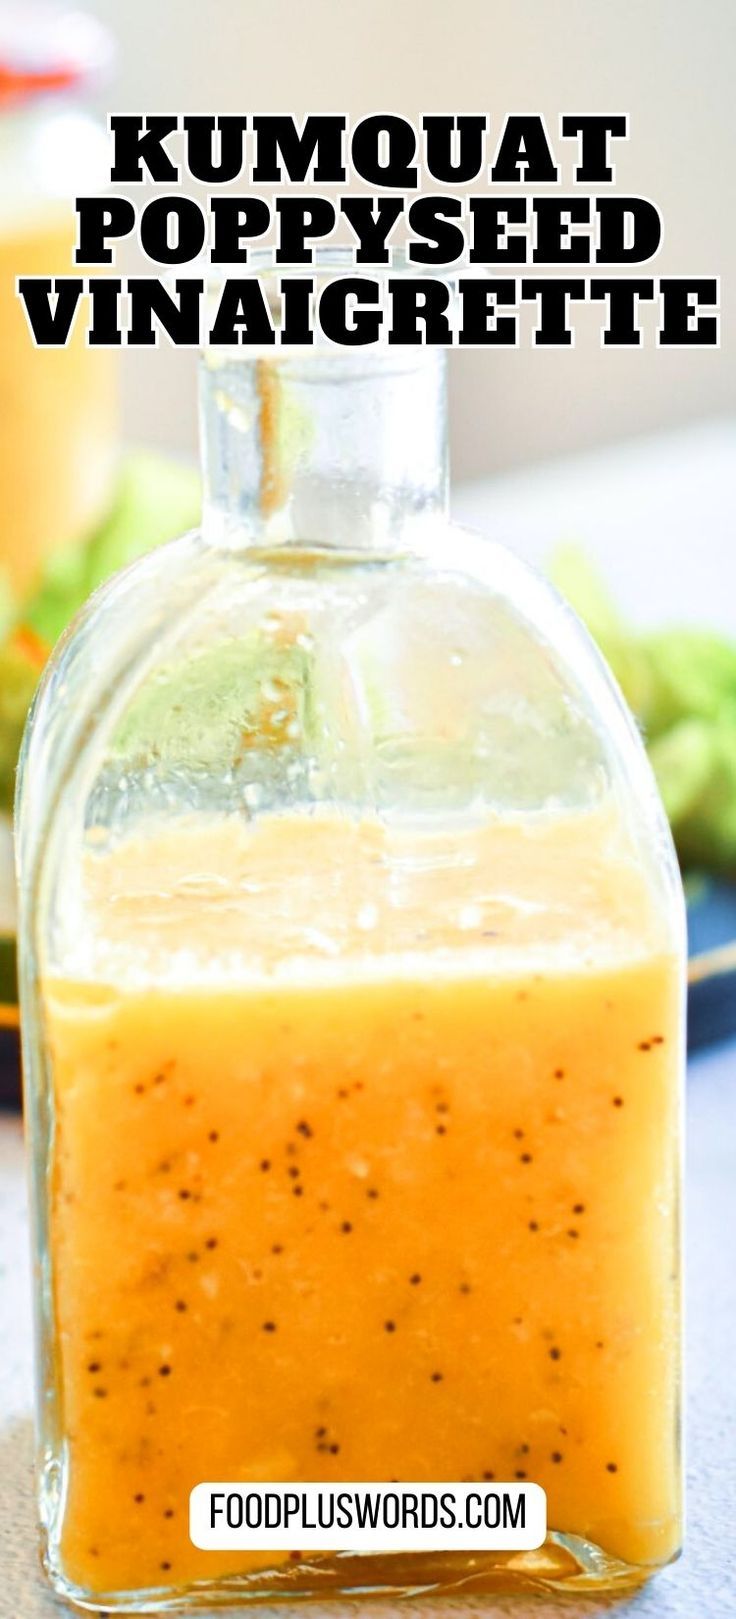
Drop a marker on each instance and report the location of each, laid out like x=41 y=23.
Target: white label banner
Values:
x=368 y=1517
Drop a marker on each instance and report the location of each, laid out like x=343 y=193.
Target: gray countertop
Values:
x=701 y=1586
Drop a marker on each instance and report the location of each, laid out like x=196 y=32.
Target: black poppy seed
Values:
x=436 y=1377
x=440 y=1130
x=293 y=1171
x=525 y=1158
x=559 y=1073
x=442 y=1107
x=657 y=1039
x=488 y=1475
x=164 y=1371
x=343 y=1095
x=180 y=1306
x=645 y=1045
x=139 y=1499
x=214 y=1135
x=533 y=1225
x=578 y=1208
x=164 y=1167
x=599 y=1343
x=94 y=1366
x=612 y=1467
x=415 y=1279
x=389 y=1326
x=184 y=1193
x=165 y=1567
x=168 y=1512
x=346 y=1226
x=573 y=1233
x=193 y=1257
x=265 y=1164
x=519 y=1473
x=145 y=1383
x=372 y=1193
x=556 y=1456
x=555 y=1353
x=319 y=1433
x=269 y=1326
x=158 y=1079
x=618 y=1101
x=100 y=1394
x=465 y=1287
x=518 y=1135
x=305 y=1129
x=211 y=1242
x=277 y=1248
x=139 y=1089
x=523 y=1450
x=334 y=1450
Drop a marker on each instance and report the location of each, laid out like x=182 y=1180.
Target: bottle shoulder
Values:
x=444 y=681
x=105 y=641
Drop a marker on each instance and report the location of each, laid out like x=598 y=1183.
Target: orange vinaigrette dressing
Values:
x=377 y=1189
x=59 y=413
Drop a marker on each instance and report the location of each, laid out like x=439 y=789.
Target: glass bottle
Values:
x=58 y=407
x=352 y=986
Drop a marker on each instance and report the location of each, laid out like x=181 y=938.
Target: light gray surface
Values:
x=701 y=1586
x=657 y=516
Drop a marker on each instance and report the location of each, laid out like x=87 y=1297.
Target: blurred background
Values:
x=612 y=469
x=669 y=63
x=615 y=470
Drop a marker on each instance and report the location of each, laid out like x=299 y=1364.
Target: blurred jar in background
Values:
x=58 y=407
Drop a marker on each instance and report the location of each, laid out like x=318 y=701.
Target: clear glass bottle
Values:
x=58 y=407
x=351 y=954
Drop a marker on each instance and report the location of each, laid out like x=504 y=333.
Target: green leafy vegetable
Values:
x=18 y=680
x=156 y=499
x=681 y=685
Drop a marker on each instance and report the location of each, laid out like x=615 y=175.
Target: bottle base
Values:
x=565 y=1563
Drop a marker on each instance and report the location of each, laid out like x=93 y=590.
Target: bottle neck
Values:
x=323 y=448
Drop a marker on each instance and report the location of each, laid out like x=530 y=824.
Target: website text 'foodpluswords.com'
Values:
x=368 y=1517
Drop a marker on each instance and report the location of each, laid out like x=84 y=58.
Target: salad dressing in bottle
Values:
x=352 y=980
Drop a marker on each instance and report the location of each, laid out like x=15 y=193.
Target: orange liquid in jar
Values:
x=58 y=410
x=373 y=1179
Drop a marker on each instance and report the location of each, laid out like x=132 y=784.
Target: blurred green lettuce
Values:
x=156 y=498
x=681 y=684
